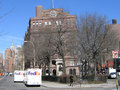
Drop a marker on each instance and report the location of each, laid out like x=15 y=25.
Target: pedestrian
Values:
x=71 y=80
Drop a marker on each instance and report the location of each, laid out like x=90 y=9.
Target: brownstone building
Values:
x=54 y=19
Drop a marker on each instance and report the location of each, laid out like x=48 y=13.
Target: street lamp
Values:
x=33 y=50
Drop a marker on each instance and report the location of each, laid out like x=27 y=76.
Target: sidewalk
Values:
x=49 y=84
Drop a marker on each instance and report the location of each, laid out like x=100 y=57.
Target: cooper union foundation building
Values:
x=50 y=42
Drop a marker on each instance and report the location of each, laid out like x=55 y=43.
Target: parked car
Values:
x=113 y=75
x=10 y=73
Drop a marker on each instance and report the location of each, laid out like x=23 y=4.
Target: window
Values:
x=47 y=71
x=36 y=24
x=74 y=71
x=71 y=63
x=33 y=24
x=70 y=71
x=47 y=15
x=57 y=23
x=45 y=23
x=69 y=22
x=60 y=68
x=49 y=23
x=73 y=22
x=36 y=63
x=66 y=22
x=60 y=22
x=40 y=24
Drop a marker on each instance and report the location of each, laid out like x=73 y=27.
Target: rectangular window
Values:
x=45 y=23
x=71 y=63
x=47 y=15
x=40 y=24
x=36 y=63
x=66 y=22
x=70 y=71
x=60 y=22
x=36 y=24
x=33 y=24
x=74 y=71
x=57 y=23
x=49 y=23
x=69 y=22
x=73 y=22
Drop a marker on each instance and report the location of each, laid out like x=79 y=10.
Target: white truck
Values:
x=18 y=76
x=33 y=77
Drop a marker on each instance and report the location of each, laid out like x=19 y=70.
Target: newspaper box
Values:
x=32 y=77
x=18 y=76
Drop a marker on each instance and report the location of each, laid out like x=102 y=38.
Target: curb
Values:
x=82 y=86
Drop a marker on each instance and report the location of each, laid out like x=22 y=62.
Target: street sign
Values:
x=115 y=54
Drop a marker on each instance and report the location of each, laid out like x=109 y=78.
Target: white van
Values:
x=18 y=76
x=112 y=72
x=33 y=77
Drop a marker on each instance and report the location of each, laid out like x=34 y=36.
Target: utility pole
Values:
x=115 y=57
x=116 y=74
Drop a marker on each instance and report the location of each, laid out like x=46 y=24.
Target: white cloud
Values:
x=8 y=38
x=6 y=41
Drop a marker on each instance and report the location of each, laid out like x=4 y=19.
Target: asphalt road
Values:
x=6 y=83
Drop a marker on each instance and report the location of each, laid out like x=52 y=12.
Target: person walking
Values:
x=71 y=80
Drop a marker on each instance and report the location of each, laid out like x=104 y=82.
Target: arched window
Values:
x=70 y=71
x=74 y=71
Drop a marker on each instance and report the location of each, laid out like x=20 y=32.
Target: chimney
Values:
x=114 y=21
x=39 y=11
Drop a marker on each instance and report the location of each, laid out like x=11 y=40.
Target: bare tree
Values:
x=95 y=37
x=65 y=38
x=45 y=48
x=56 y=40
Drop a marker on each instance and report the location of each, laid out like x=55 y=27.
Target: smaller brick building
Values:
x=9 y=60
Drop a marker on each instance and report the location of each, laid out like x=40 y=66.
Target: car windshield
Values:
x=113 y=73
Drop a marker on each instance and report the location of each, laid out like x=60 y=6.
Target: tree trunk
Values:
x=48 y=65
x=95 y=72
x=45 y=69
x=64 y=67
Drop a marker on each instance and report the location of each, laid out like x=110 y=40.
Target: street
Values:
x=6 y=83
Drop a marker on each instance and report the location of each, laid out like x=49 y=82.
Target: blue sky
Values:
x=14 y=25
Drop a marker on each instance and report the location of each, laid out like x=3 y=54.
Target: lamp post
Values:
x=33 y=51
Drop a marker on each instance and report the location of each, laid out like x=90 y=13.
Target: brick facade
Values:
x=9 y=60
x=52 y=18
